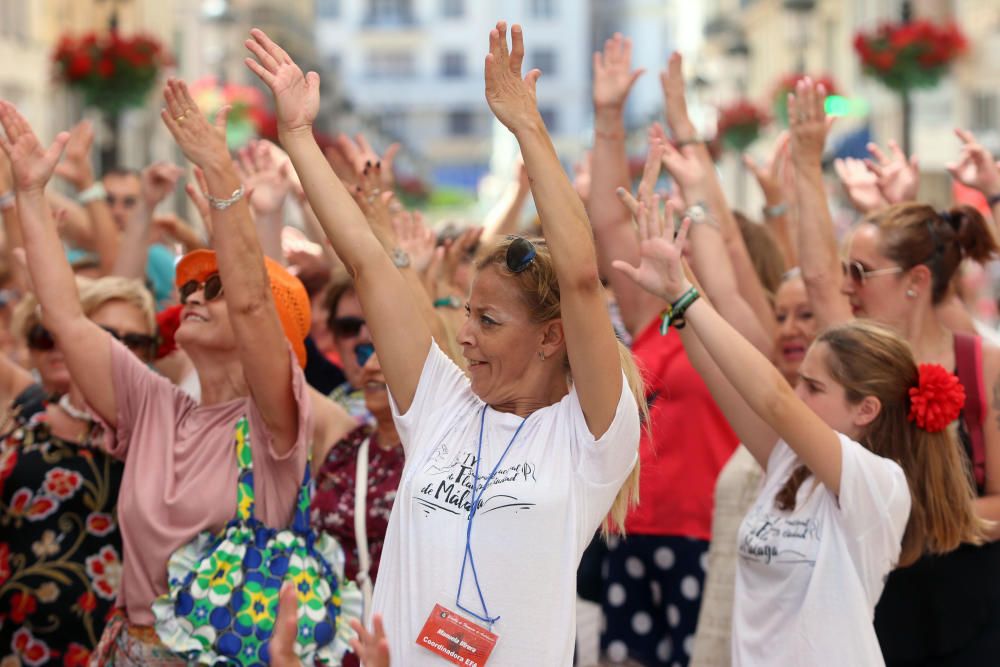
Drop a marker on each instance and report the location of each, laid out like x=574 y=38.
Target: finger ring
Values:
x=371 y=199
x=376 y=191
x=180 y=119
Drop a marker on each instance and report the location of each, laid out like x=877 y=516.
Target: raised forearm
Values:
x=505 y=217
x=131 y=255
x=51 y=274
x=105 y=235
x=340 y=218
x=269 y=231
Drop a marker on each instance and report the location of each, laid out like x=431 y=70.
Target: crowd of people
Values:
x=361 y=440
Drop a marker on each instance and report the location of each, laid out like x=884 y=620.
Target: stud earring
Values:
x=911 y=293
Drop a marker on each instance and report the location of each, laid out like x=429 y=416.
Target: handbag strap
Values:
x=246 y=501
x=360 y=527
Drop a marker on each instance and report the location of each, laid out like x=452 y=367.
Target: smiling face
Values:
x=796 y=327
x=503 y=345
x=205 y=324
x=882 y=298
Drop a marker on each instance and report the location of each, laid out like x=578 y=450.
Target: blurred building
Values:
x=750 y=44
x=412 y=71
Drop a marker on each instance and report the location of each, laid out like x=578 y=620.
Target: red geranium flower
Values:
x=100 y=523
x=937 y=400
x=33 y=651
x=80 y=66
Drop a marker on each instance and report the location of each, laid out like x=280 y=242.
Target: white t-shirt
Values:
x=549 y=496
x=807 y=581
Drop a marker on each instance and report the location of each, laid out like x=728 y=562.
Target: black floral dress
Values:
x=60 y=549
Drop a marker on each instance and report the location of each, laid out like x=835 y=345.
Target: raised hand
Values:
x=415 y=239
x=976 y=167
x=661 y=270
x=807 y=121
x=511 y=98
x=75 y=166
x=266 y=180
x=374 y=203
x=359 y=152
x=898 y=177
x=372 y=648
x=769 y=174
x=296 y=95
x=860 y=183
x=202 y=143
x=158 y=181
x=613 y=73
x=685 y=169
x=31 y=164
x=672 y=81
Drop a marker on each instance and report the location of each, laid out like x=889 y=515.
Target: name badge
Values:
x=456 y=639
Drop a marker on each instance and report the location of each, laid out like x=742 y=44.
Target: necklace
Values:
x=73 y=411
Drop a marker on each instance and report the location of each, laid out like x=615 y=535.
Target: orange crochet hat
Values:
x=290 y=297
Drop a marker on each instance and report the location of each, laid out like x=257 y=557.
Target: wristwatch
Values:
x=699 y=215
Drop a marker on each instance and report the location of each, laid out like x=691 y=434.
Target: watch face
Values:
x=696 y=213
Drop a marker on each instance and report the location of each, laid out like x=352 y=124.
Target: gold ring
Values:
x=180 y=119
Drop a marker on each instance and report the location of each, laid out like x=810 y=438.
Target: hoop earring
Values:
x=541 y=355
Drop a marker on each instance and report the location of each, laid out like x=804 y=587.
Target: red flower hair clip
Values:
x=937 y=399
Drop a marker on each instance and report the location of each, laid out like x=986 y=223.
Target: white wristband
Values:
x=94 y=193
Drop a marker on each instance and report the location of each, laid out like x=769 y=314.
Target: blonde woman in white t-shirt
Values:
x=861 y=475
x=511 y=469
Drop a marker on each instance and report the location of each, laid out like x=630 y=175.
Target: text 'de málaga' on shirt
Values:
x=534 y=520
x=807 y=580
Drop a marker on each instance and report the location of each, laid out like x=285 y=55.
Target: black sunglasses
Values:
x=520 y=254
x=40 y=339
x=212 y=288
x=346 y=327
x=142 y=345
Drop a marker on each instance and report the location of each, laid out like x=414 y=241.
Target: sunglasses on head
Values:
x=40 y=339
x=142 y=345
x=212 y=288
x=858 y=274
x=346 y=327
x=520 y=254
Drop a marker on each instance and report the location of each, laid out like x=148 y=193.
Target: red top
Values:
x=690 y=441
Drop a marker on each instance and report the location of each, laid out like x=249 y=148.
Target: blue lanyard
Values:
x=473 y=508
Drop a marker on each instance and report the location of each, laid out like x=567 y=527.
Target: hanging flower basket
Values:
x=904 y=56
x=112 y=72
x=787 y=85
x=739 y=125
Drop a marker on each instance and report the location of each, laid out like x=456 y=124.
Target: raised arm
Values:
x=770 y=178
x=269 y=187
x=505 y=216
x=756 y=380
x=400 y=335
x=76 y=169
x=260 y=340
x=612 y=225
x=590 y=338
x=158 y=181
x=818 y=256
x=85 y=346
x=976 y=168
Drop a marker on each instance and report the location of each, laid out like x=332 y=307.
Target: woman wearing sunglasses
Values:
x=899 y=268
x=243 y=324
x=511 y=469
x=60 y=547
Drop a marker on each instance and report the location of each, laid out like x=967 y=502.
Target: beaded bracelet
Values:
x=673 y=315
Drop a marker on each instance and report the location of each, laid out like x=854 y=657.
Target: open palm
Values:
x=296 y=95
x=511 y=98
x=31 y=164
x=661 y=270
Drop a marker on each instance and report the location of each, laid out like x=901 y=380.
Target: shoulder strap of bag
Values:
x=360 y=527
x=969 y=369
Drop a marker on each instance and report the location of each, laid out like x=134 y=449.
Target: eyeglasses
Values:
x=346 y=327
x=363 y=352
x=40 y=339
x=212 y=288
x=141 y=345
x=858 y=273
x=520 y=254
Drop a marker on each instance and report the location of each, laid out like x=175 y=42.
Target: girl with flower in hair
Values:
x=861 y=473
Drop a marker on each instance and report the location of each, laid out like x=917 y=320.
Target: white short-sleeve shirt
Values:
x=807 y=581
x=538 y=514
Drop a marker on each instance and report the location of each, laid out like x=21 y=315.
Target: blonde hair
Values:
x=867 y=359
x=94 y=293
x=539 y=289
